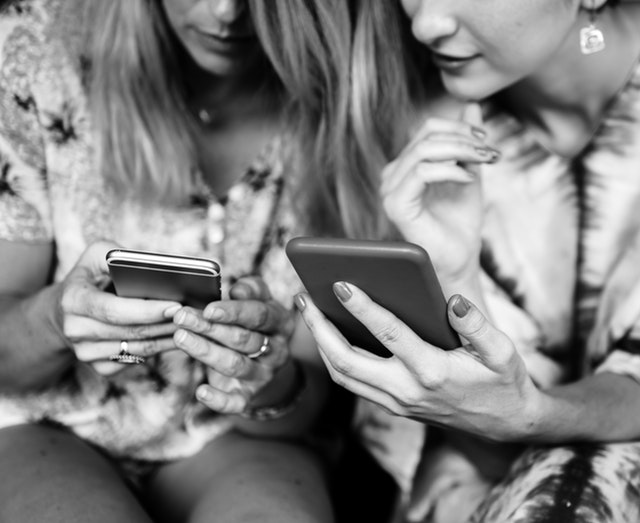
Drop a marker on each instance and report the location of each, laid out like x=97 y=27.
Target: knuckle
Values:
x=234 y=364
x=342 y=366
x=242 y=337
x=148 y=347
x=136 y=332
x=388 y=334
x=263 y=314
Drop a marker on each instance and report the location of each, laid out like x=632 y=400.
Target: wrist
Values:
x=281 y=396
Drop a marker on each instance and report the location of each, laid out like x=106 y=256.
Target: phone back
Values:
x=188 y=280
x=398 y=276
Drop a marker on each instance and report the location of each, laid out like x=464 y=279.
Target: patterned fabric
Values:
x=51 y=192
x=561 y=262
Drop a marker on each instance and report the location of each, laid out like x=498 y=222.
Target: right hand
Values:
x=94 y=321
x=431 y=191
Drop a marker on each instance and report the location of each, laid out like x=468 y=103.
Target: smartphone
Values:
x=399 y=276
x=163 y=276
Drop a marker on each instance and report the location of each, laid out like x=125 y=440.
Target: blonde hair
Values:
x=144 y=129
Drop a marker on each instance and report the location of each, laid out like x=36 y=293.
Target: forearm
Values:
x=33 y=351
x=604 y=407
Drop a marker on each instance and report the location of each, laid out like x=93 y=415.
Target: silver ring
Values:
x=124 y=356
x=264 y=348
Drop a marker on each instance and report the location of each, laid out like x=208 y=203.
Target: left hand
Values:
x=225 y=333
x=483 y=388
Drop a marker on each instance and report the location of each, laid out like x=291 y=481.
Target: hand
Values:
x=225 y=333
x=482 y=388
x=431 y=191
x=95 y=322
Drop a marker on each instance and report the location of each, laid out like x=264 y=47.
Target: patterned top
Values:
x=50 y=191
x=561 y=260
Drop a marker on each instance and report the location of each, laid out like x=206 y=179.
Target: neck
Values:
x=578 y=85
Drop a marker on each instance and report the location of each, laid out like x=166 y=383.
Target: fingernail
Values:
x=213 y=313
x=180 y=336
x=203 y=393
x=168 y=313
x=487 y=152
x=300 y=302
x=342 y=291
x=478 y=133
x=461 y=306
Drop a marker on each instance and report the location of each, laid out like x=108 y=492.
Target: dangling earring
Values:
x=591 y=38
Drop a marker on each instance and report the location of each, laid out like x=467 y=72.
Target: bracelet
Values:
x=284 y=407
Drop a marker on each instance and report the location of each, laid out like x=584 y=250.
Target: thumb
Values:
x=493 y=346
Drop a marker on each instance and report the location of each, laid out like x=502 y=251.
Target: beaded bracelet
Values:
x=284 y=407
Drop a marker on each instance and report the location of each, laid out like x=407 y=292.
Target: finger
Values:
x=83 y=328
x=413 y=185
x=219 y=401
x=231 y=336
x=90 y=352
x=108 y=308
x=437 y=125
x=369 y=391
x=222 y=359
x=389 y=329
x=267 y=317
x=250 y=288
x=472 y=114
x=108 y=368
x=493 y=347
x=343 y=362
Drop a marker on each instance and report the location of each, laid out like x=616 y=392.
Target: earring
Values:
x=591 y=38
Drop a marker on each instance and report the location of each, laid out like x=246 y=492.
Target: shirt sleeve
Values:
x=24 y=202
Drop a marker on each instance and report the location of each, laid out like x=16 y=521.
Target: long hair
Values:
x=351 y=83
x=138 y=100
x=308 y=43
x=143 y=128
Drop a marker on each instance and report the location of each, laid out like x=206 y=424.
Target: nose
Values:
x=432 y=22
x=227 y=11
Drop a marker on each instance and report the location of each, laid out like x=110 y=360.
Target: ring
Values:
x=264 y=348
x=124 y=356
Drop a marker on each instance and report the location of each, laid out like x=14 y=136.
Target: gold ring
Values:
x=124 y=356
x=264 y=348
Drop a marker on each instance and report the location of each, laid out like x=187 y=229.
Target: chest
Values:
x=226 y=152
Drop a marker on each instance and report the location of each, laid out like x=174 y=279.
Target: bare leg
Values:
x=50 y=475
x=238 y=479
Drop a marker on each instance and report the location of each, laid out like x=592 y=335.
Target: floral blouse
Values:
x=50 y=191
x=560 y=259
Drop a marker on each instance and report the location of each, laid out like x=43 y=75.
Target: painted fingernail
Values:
x=342 y=291
x=300 y=302
x=213 y=313
x=461 y=306
x=478 y=133
x=487 y=152
x=168 y=313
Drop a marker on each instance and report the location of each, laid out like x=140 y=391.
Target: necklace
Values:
x=206 y=116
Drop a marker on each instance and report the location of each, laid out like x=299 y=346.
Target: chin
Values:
x=468 y=88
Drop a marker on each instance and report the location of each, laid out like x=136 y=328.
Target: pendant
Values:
x=591 y=40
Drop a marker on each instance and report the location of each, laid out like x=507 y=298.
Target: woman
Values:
x=530 y=219
x=160 y=126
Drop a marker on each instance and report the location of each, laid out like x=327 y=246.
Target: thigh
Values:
x=51 y=475
x=241 y=479
x=575 y=484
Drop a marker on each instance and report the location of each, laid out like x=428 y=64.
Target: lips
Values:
x=452 y=61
